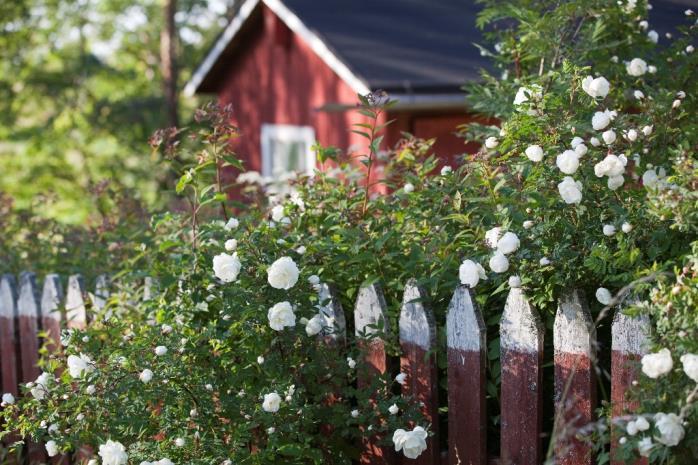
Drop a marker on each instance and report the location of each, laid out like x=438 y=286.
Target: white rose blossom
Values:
x=283 y=273
x=603 y=295
x=51 y=448
x=315 y=325
x=636 y=67
x=232 y=223
x=608 y=230
x=526 y=94
x=113 y=453
x=499 y=262
x=226 y=267
x=645 y=446
x=492 y=237
x=609 y=137
x=614 y=182
x=408 y=187
x=469 y=273
x=160 y=351
x=568 y=162
x=8 y=399
x=602 y=119
x=231 y=245
x=491 y=142
x=40 y=386
x=570 y=190
x=534 y=153
x=446 y=170
x=412 y=443
x=277 y=213
x=635 y=426
x=528 y=224
x=281 y=316
x=650 y=178
x=596 y=87
x=401 y=378
x=145 y=376
x=670 y=428
x=626 y=227
x=508 y=243
x=653 y=36
x=581 y=150
x=657 y=364
x=595 y=141
x=690 y=366
x=271 y=403
x=79 y=365
x=610 y=166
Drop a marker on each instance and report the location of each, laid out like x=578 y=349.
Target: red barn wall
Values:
x=278 y=79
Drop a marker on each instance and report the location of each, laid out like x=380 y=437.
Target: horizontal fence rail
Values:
x=25 y=312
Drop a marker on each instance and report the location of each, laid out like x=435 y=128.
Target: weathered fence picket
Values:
x=521 y=355
x=23 y=315
x=630 y=337
x=417 y=329
x=574 y=340
x=370 y=315
x=467 y=359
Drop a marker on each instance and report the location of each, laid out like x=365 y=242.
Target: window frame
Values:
x=286 y=133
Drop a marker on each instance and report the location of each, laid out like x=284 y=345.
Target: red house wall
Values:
x=278 y=79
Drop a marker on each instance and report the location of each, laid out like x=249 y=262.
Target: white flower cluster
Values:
x=79 y=365
x=113 y=453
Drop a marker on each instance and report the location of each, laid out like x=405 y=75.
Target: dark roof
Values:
x=398 y=45
x=401 y=46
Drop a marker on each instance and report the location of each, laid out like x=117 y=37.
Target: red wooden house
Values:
x=293 y=68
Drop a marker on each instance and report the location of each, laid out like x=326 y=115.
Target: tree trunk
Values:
x=168 y=62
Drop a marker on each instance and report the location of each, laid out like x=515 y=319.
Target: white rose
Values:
x=401 y=378
x=89 y=390
x=469 y=273
x=609 y=137
x=280 y=316
x=534 y=153
x=524 y=94
x=670 y=428
x=492 y=237
x=636 y=67
x=610 y=166
x=232 y=223
x=690 y=366
x=499 y=262
x=650 y=178
x=77 y=366
x=638 y=95
x=277 y=213
x=645 y=446
x=631 y=135
x=581 y=150
x=528 y=224
x=179 y=442
x=598 y=87
x=260 y=359
x=393 y=409
x=446 y=170
x=226 y=267
x=653 y=36
x=508 y=243
x=408 y=187
x=570 y=190
x=351 y=363
x=600 y=120
x=608 y=230
x=491 y=142
x=301 y=250
x=231 y=244
x=272 y=402
x=40 y=386
x=576 y=140
x=595 y=141
x=545 y=261
x=52 y=448
x=567 y=162
x=145 y=376
x=614 y=182
x=314 y=280
x=647 y=130
x=412 y=443
x=9 y=399
x=354 y=413
x=283 y=273
x=160 y=351
x=657 y=364
x=315 y=325
x=603 y=295
x=113 y=453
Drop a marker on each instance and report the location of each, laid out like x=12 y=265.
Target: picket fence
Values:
x=24 y=313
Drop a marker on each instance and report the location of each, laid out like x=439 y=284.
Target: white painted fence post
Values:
x=76 y=310
x=51 y=310
x=330 y=308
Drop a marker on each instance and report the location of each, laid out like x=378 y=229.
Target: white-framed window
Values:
x=287 y=149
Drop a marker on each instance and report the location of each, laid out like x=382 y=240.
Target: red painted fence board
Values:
x=575 y=381
x=467 y=358
x=521 y=339
x=630 y=337
x=418 y=361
